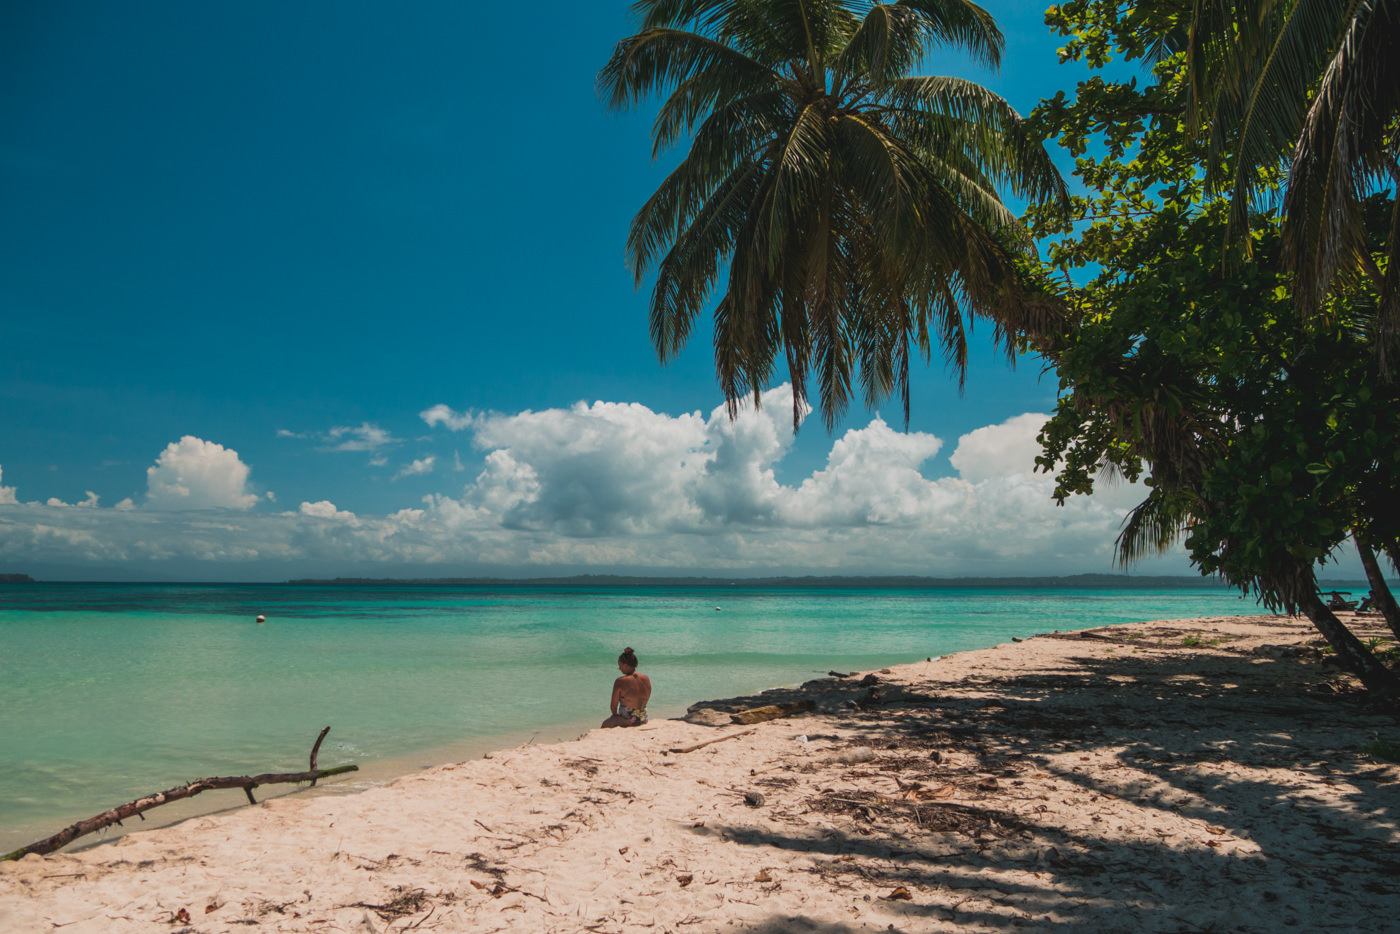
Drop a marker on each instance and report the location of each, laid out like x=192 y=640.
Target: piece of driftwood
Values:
x=772 y=712
x=711 y=742
x=1102 y=637
x=135 y=808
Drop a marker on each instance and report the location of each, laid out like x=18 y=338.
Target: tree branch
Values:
x=140 y=805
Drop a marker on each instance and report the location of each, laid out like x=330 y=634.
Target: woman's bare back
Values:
x=634 y=690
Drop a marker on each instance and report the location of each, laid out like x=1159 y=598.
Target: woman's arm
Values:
x=616 y=696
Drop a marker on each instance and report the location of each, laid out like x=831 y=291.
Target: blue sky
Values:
x=323 y=288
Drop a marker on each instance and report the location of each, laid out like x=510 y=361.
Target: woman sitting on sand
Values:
x=630 y=693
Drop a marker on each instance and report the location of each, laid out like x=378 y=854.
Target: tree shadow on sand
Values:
x=1263 y=814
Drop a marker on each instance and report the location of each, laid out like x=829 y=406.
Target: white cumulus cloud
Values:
x=734 y=479
x=419 y=467
x=871 y=478
x=443 y=415
x=614 y=485
x=602 y=469
x=325 y=509
x=195 y=474
x=90 y=502
x=7 y=493
x=1008 y=449
x=671 y=491
x=362 y=437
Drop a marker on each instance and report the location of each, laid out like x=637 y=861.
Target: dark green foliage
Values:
x=1264 y=438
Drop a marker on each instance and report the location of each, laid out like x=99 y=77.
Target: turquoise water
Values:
x=111 y=691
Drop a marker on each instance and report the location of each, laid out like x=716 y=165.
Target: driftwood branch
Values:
x=314 y=749
x=711 y=742
x=140 y=805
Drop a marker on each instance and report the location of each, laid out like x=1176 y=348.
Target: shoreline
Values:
x=373 y=774
x=1125 y=777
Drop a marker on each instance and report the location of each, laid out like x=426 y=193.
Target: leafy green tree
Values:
x=1265 y=438
x=855 y=204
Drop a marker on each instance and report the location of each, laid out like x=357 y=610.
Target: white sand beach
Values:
x=1117 y=779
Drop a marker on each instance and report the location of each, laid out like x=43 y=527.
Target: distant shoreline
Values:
x=765 y=583
x=810 y=582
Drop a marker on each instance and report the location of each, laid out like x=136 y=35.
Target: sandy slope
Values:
x=1110 y=781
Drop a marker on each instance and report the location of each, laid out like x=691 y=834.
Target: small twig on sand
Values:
x=420 y=920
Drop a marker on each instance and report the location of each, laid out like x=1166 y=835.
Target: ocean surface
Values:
x=112 y=691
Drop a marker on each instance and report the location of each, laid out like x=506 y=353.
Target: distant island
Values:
x=810 y=582
x=765 y=583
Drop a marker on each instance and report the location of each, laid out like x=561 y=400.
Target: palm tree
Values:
x=1311 y=86
x=855 y=204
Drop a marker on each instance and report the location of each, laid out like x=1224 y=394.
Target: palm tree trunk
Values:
x=1379 y=591
x=1355 y=657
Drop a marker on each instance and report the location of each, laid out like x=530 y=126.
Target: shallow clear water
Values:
x=110 y=691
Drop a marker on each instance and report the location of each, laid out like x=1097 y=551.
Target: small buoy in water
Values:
x=261 y=618
x=716 y=609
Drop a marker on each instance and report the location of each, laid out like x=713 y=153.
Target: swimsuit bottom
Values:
x=638 y=717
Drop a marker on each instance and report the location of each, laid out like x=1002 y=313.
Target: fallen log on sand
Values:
x=134 y=808
x=772 y=712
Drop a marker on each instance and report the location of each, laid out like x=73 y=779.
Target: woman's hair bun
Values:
x=628 y=650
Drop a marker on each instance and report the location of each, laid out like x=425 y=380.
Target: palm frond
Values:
x=686 y=275
x=717 y=154
x=798 y=173
x=963 y=25
x=978 y=200
x=659 y=59
x=889 y=41
x=688 y=272
x=706 y=95
x=672 y=13
x=1345 y=149
x=877 y=167
x=938 y=113
x=786 y=32
x=1151 y=528
x=1251 y=67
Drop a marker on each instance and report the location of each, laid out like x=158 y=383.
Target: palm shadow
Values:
x=1279 y=822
